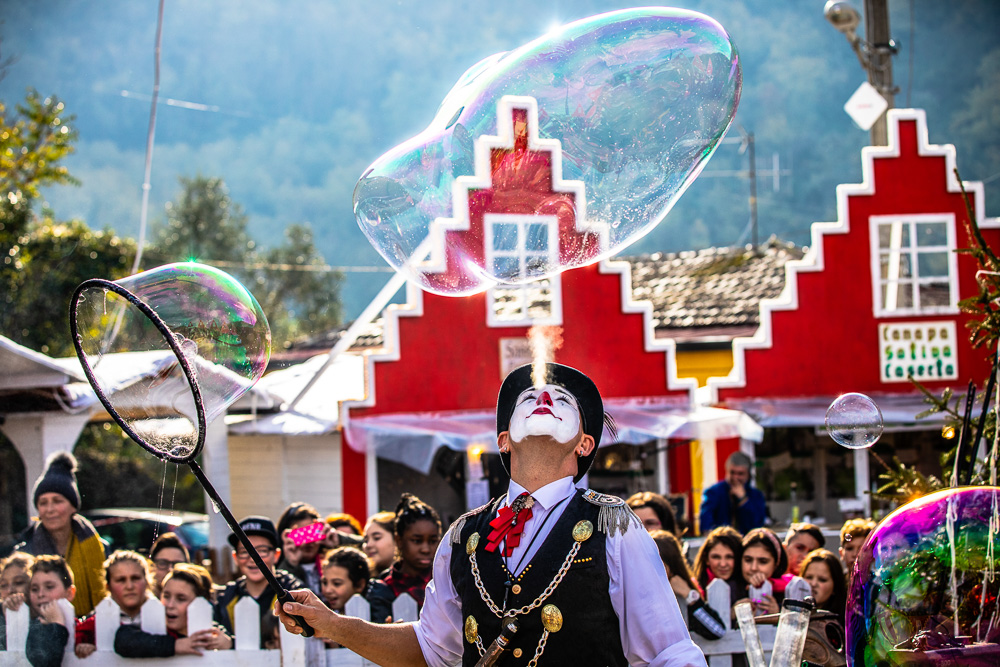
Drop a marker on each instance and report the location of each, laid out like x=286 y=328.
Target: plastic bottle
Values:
x=790 y=638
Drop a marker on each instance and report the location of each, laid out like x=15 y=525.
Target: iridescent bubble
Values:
x=854 y=421
x=161 y=321
x=924 y=590
x=556 y=154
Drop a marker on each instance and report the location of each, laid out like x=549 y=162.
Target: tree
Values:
x=44 y=259
x=297 y=291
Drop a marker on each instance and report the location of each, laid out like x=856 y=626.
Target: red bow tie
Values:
x=509 y=524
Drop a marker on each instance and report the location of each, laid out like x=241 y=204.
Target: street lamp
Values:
x=874 y=52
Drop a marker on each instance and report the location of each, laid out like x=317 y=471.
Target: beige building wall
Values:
x=267 y=473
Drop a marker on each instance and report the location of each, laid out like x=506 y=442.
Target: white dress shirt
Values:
x=649 y=620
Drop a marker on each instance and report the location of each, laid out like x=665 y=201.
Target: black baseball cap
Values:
x=257 y=525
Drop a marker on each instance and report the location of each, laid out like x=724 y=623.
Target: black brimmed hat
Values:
x=583 y=389
x=257 y=525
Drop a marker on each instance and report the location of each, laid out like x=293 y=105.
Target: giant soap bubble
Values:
x=556 y=154
x=924 y=588
x=196 y=340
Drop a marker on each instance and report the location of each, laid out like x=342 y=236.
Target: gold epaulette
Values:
x=615 y=515
x=456 y=528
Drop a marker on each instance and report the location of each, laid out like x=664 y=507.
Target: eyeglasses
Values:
x=262 y=551
x=163 y=564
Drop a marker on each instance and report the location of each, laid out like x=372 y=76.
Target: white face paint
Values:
x=549 y=411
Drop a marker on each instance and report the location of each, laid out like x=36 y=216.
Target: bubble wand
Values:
x=217 y=346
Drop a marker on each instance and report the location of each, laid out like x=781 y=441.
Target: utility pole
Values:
x=752 y=156
x=880 y=51
x=874 y=52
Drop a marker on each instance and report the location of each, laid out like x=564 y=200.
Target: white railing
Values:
x=297 y=651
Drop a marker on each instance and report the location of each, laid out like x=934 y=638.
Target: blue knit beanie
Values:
x=59 y=477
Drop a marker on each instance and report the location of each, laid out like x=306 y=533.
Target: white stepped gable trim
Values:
x=390 y=350
x=650 y=342
x=813 y=261
x=482 y=179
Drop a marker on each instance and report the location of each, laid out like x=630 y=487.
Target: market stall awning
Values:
x=413 y=439
x=899 y=411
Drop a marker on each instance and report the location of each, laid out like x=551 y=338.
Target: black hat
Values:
x=59 y=477
x=583 y=389
x=257 y=525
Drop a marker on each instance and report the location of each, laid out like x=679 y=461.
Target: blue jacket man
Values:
x=733 y=501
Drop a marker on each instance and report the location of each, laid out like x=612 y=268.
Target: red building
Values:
x=873 y=300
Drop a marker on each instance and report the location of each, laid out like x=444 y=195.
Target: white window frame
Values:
x=521 y=221
x=913 y=251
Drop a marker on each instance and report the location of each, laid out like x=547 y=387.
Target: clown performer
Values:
x=549 y=574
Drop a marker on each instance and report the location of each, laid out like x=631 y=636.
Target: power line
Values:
x=315 y=268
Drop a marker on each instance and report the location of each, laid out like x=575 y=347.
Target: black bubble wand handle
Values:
x=282 y=595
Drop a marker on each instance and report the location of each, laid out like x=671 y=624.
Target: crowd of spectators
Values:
x=337 y=558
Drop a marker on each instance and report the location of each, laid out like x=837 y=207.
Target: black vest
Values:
x=589 y=633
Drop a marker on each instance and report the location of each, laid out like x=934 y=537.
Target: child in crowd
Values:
x=14 y=578
x=51 y=580
x=821 y=569
x=345 y=574
x=417 y=534
x=303 y=560
x=701 y=618
x=379 y=545
x=344 y=523
x=853 y=534
x=129 y=583
x=655 y=512
x=181 y=586
x=763 y=560
x=167 y=551
x=270 y=632
x=800 y=539
x=252 y=583
x=14 y=575
x=721 y=557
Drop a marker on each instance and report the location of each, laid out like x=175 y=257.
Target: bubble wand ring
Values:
x=189 y=454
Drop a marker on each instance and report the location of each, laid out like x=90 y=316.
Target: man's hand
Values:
x=312 y=610
x=738 y=489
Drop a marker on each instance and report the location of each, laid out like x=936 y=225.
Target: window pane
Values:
x=506 y=268
x=504 y=236
x=935 y=294
x=885 y=231
x=539 y=298
x=508 y=303
x=932 y=265
x=932 y=233
x=900 y=266
x=538 y=237
x=896 y=296
x=536 y=265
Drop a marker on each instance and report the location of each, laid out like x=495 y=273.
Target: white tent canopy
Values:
x=413 y=439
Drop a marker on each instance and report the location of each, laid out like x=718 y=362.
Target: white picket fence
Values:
x=296 y=651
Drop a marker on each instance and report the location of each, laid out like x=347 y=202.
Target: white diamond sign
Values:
x=866 y=106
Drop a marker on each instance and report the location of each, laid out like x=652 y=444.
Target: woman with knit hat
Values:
x=60 y=531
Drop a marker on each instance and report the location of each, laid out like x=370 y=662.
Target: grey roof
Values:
x=704 y=295
x=705 y=292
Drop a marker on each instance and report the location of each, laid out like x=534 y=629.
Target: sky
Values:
x=289 y=102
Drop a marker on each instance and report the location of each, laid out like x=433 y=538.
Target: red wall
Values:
x=830 y=344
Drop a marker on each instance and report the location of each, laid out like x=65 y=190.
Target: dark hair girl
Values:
x=701 y=618
x=417 y=534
